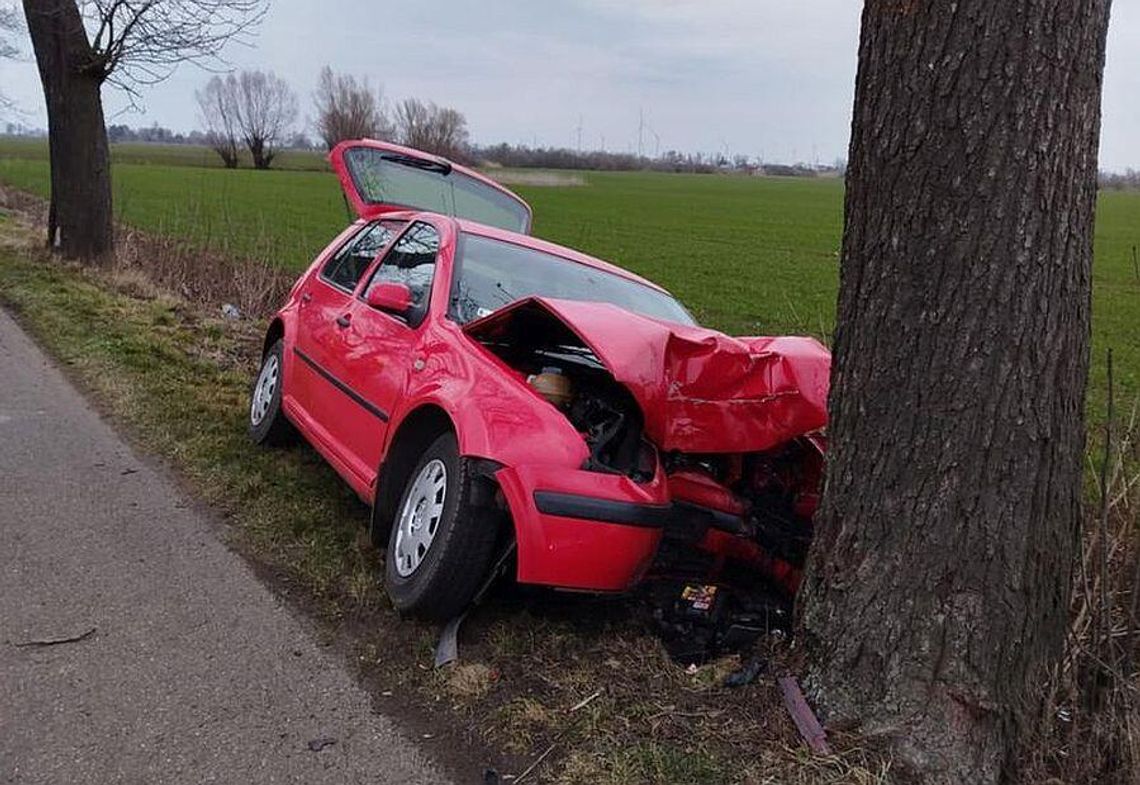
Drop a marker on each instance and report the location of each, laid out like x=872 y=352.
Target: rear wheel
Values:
x=440 y=545
x=267 y=423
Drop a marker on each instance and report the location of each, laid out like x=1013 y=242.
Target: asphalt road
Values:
x=194 y=672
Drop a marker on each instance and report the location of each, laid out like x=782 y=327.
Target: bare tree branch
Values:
x=348 y=108
x=267 y=107
x=9 y=27
x=256 y=106
x=141 y=42
x=218 y=116
x=436 y=129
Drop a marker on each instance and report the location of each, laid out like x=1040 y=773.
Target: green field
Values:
x=748 y=255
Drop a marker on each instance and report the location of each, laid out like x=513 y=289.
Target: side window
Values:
x=352 y=260
x=412 y=262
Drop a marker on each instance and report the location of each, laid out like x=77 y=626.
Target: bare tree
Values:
x=219 y=117
x=348 y=108
x=436 y=129
x=938 y=585
x=266 y=107
x=82 y=44
x=9 y=25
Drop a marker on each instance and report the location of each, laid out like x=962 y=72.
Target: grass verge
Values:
x=575 y=685
x=176 y=376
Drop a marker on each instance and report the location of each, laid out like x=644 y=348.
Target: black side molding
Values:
x=356 y=397
x=679 y=517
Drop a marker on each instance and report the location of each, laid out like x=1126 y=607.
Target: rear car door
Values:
x=332 y=407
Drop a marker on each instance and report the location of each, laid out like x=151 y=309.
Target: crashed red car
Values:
x=478 y=386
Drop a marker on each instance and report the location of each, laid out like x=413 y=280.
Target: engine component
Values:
x=553 y=385
x=700 y=622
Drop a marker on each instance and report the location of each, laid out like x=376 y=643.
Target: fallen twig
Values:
x=584 y=702
x=534 y=765
x=58 y=641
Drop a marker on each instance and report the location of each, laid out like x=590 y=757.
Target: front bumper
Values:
x=600 y=532
x=584 y=530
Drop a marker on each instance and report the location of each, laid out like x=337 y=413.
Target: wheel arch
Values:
x=275 y=333
x=416 y=431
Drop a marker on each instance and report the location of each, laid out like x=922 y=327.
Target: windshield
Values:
x=388 y=178
x=492 y=273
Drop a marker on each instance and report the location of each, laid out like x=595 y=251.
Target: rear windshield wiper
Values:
x=439 y=167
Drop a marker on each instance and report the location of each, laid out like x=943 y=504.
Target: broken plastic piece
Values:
x=802 y=715
x=447 y=650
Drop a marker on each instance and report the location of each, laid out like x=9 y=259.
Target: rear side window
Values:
x=411 y=262
x=353 y=259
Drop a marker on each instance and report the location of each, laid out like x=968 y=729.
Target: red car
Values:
x=480 y=387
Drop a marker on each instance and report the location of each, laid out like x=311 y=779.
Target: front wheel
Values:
x=267 y=423
x=440 y=545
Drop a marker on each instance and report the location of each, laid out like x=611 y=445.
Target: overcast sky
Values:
x=769 y=78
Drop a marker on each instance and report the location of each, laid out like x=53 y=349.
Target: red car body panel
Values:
x=353 y=375
x=700 y=390
x=573 y=553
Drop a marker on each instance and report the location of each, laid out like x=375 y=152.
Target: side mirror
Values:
x=390 y=296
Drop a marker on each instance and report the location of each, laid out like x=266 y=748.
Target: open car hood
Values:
x=699 y=390
x=380 y=177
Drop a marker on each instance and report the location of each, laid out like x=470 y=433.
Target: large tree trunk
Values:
x=80 y=222
x=938 y=585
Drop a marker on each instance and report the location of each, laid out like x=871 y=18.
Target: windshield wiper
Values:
x=439 y=167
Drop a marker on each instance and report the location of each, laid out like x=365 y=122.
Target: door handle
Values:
x=344 y=321
x=306 y=297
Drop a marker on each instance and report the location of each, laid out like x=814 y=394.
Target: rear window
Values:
x=389 y=178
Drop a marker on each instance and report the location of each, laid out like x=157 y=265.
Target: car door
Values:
x=331 y=406
x=379 y=348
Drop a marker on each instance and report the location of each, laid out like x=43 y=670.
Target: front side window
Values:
x=348 y=264
x=412 y=263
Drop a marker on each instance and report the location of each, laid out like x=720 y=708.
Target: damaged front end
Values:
x=705 y=452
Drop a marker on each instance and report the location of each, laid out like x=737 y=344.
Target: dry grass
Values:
x=470 y=681
x=146 y=265
x=1091 y=726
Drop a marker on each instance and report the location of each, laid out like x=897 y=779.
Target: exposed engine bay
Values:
x=561 y=369
x=766 y=497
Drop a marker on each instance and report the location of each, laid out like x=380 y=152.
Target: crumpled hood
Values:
x=699 y=390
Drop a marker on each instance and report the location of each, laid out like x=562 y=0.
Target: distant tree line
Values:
x=522 y=156
x=1119 y=181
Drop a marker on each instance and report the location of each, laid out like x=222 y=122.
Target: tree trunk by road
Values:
x=938 y=584
x=79 y=223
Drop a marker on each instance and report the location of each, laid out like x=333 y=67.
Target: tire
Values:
x=440 y=546
x=267 y=423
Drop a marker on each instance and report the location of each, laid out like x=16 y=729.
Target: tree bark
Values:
x=261 y=153
x=938 y=584
x=80 y=220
